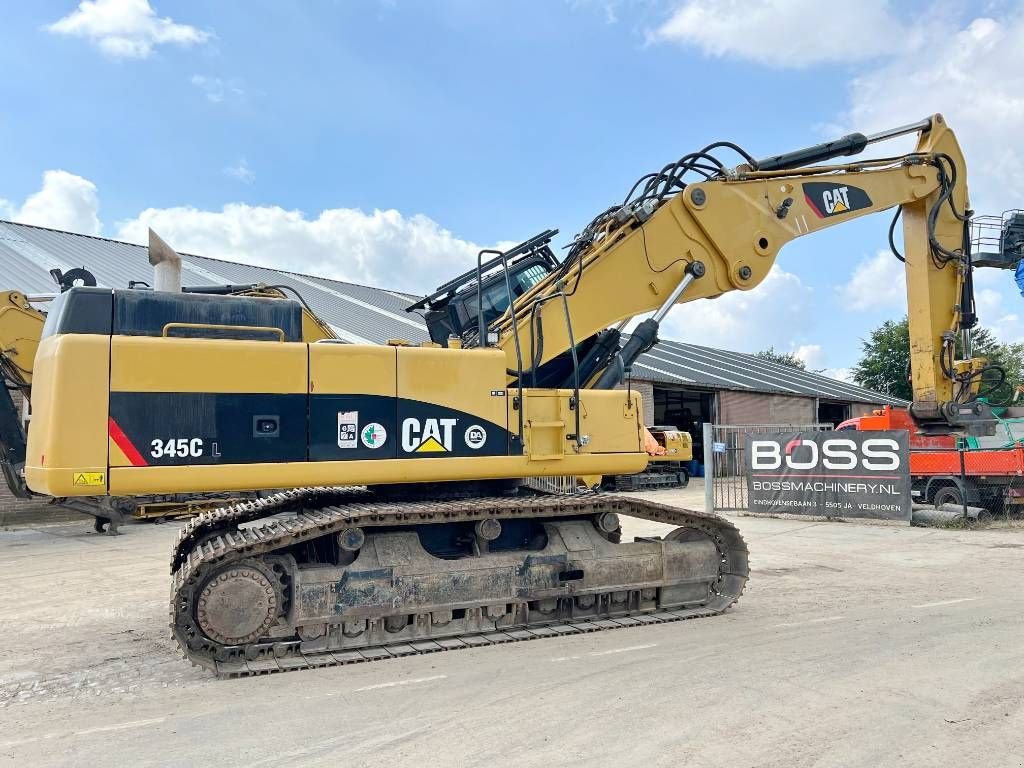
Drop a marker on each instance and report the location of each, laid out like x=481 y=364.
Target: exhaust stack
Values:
x=166 y=265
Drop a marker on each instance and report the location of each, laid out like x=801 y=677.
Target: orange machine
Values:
x=992 y=478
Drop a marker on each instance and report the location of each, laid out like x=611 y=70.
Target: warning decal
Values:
x=90 y=478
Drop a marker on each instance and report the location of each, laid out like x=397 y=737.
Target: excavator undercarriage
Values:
x=323 y=576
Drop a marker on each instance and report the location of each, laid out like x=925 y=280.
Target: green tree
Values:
x=1009 y=357
x=885 y=361
x=784 y=358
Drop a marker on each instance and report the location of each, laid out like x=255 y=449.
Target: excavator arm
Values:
x=21 y=327
x=673 y=242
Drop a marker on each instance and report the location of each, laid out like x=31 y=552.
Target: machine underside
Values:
x=323 y=576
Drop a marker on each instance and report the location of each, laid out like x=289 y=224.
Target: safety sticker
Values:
x=348 y=429
x=90 y=478
x=374 y=435
x=475 y=437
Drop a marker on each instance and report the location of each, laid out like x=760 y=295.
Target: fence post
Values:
x=709 y=468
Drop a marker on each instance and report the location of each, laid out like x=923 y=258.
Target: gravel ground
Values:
x=854 y=645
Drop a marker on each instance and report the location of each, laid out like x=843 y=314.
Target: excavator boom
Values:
x=673 y=242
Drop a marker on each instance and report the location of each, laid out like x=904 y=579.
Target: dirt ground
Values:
x=854 y=645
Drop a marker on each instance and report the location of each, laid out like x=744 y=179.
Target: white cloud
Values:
x=786 y=33
x=839 y=374
x=969 y=68
x=242 y=172
x=125 y=29
x=1000 y=313
x=779 y=312
x=217 y=89
x=974 y=75
x=382 y=248
x=65 y=201
x=878 y=282
x=811 y=355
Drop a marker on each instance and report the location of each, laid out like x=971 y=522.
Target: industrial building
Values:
x=682 y=384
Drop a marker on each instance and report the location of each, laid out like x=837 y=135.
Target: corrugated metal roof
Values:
x=363 y=314
x=673 y=361
x=357 y=312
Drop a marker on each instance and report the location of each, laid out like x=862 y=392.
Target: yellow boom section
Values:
x=21 y=327
x=731 y=229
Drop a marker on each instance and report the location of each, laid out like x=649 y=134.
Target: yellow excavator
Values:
x=399 y=525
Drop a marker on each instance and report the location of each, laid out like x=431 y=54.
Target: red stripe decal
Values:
x=122 y=441
x=814 y=208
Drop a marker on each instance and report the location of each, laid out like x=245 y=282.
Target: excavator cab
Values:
x=454 y=308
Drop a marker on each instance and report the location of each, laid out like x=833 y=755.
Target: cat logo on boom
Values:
x=836 y=200
x=829 y=199
x=428 y=435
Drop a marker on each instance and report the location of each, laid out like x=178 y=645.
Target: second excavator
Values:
x=402 y=527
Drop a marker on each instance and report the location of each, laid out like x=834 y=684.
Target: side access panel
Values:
x=352 y=402
x=181 y=402
x=613 y=420
x=67 y=442
x=452 y=403
x=609 y=421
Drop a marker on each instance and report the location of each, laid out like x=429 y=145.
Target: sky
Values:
x=385 y=141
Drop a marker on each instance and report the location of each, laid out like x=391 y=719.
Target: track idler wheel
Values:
x=238 y=604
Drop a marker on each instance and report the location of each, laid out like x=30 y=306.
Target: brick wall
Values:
x=763 y=408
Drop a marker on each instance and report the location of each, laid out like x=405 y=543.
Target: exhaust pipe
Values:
x=166 y=265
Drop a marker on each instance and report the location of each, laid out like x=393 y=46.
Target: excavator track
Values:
x=241 y=605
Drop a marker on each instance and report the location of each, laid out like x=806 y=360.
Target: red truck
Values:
x=992 y=474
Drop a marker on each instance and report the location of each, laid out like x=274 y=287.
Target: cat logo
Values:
x=836 y=200
x=428 y=435
x=830 y=199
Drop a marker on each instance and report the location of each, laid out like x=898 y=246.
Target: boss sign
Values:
x=878 y=454
x=829 y=474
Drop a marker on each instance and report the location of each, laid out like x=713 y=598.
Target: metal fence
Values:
x=725 y=461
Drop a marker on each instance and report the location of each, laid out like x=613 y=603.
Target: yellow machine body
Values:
x=185 y=415
x=675 y=445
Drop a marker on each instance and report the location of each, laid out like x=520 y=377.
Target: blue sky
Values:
x=384 y=142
